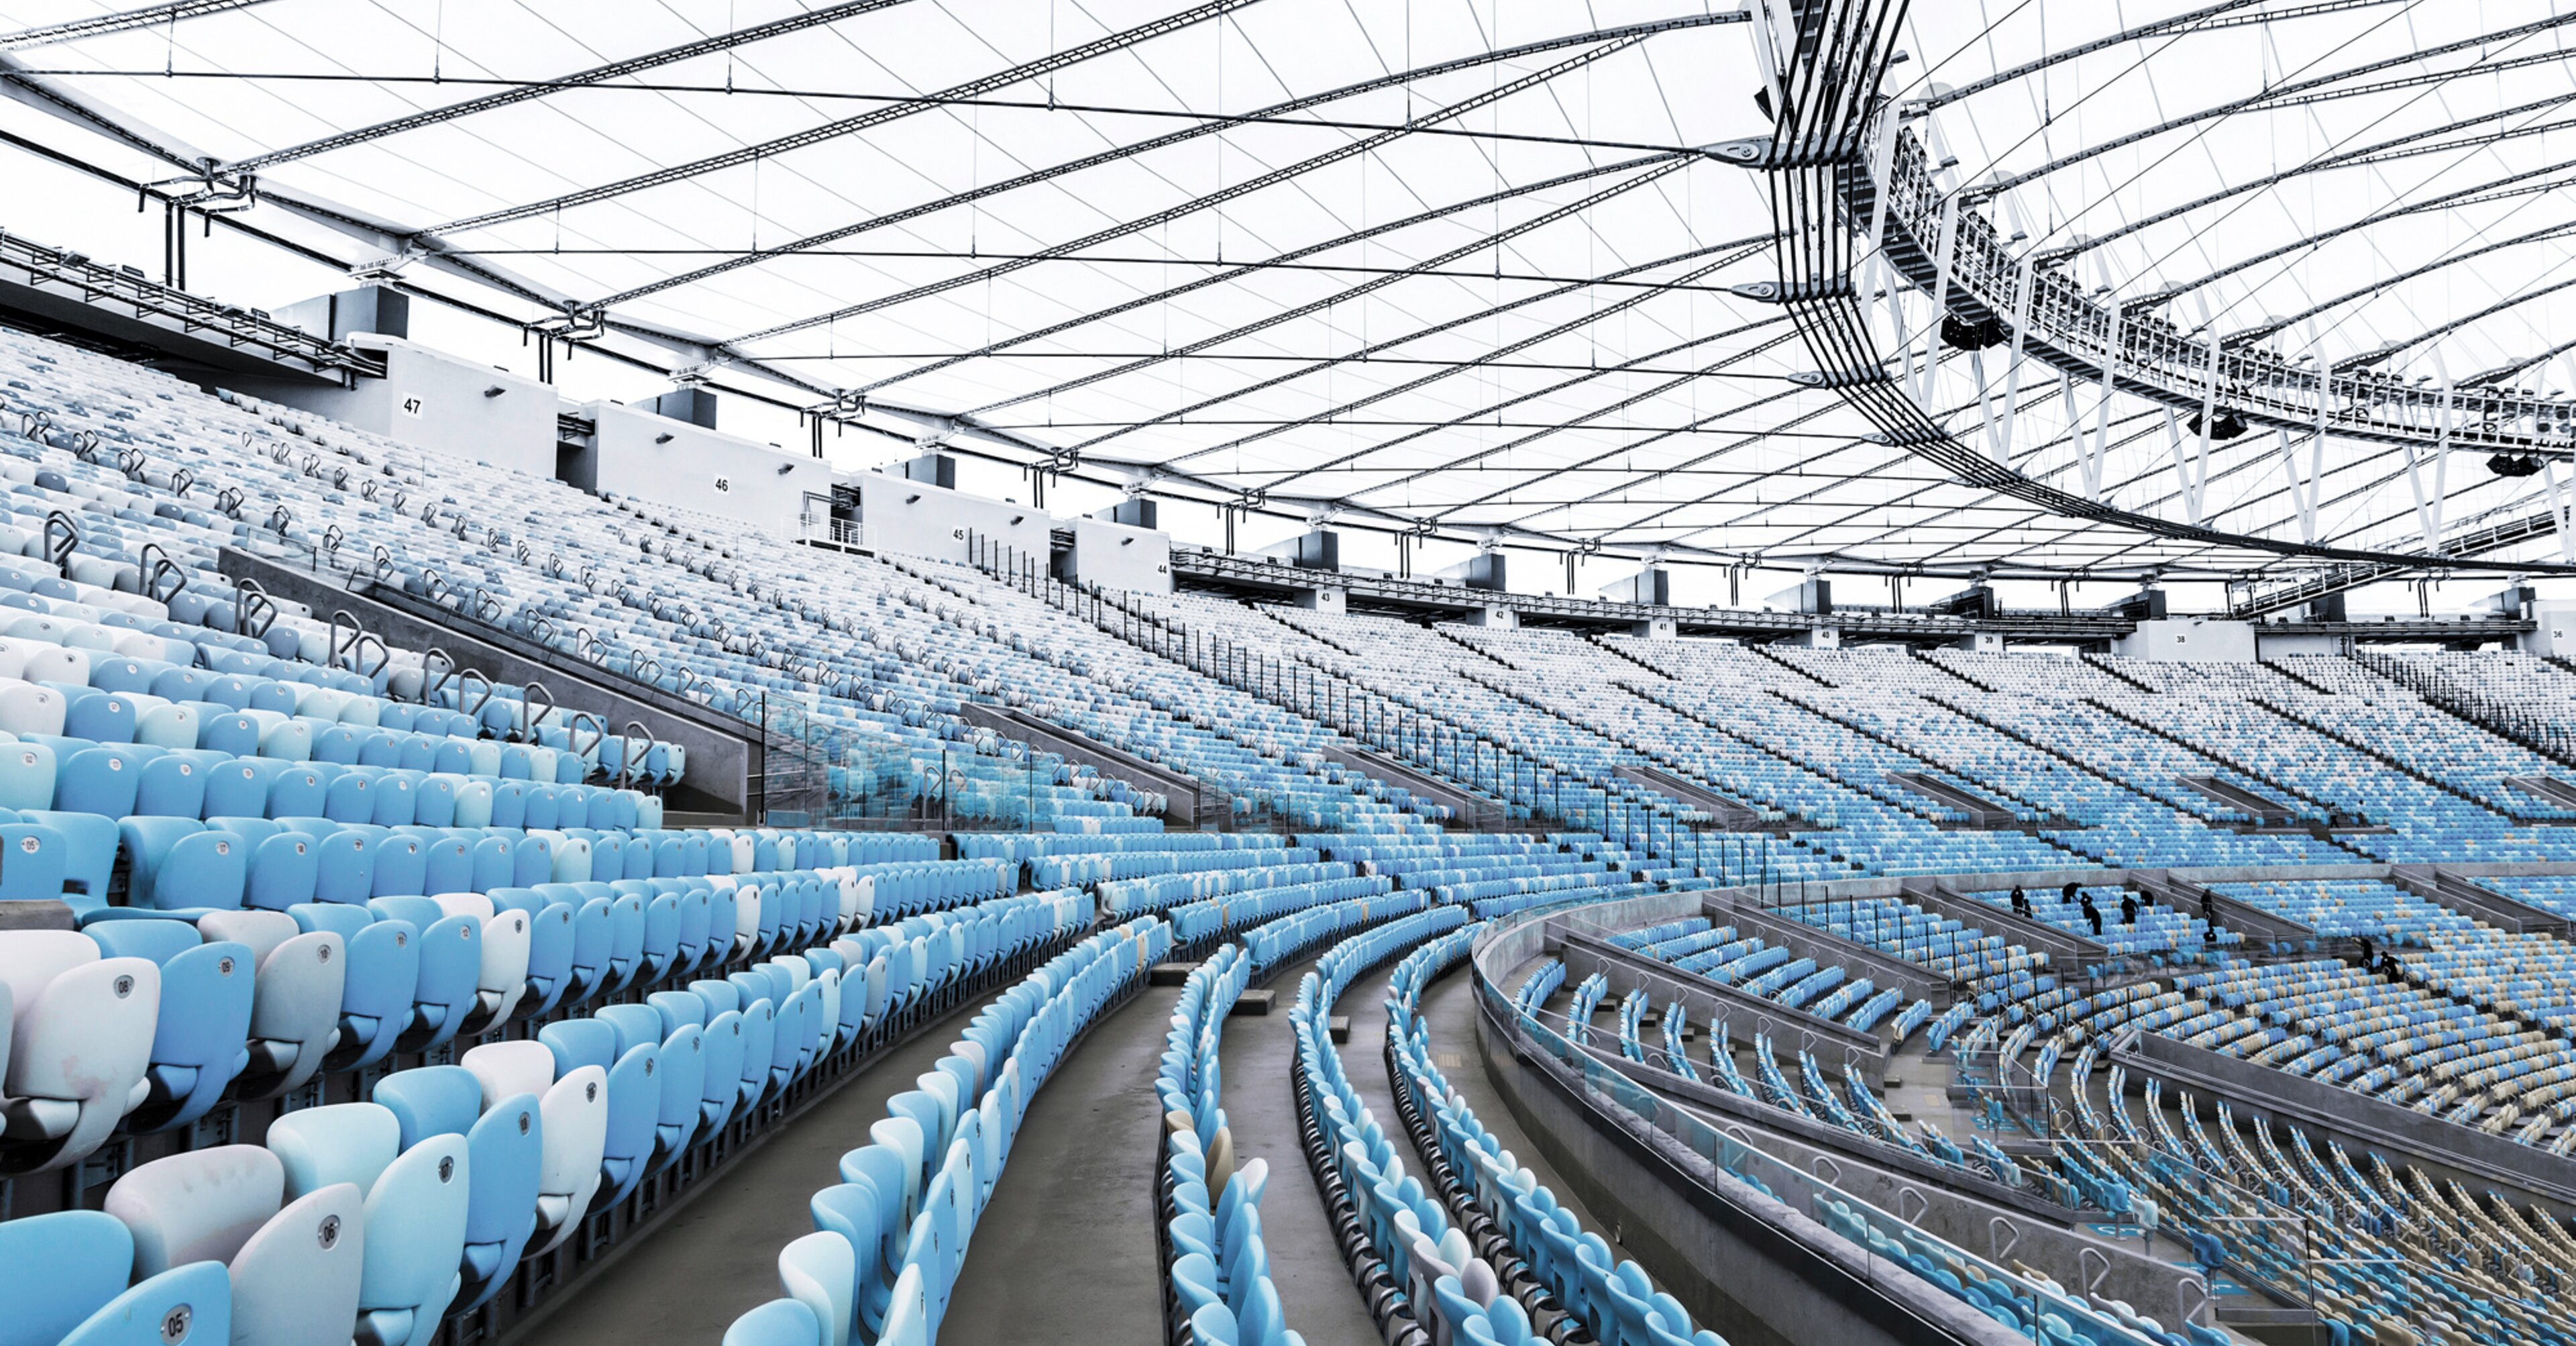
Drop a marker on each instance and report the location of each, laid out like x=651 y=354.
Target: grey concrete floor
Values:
x=1315 y=1289
x=718 y=1257
x=1064 y=1253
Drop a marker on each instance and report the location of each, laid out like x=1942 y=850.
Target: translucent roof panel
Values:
x=1470 y=265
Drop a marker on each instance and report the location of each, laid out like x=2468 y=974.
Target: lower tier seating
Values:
x=890 y=1237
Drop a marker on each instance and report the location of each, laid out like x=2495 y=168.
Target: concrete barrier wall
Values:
x=1755 y=1270
x=2360 y=1122
x=724 y=755
x=1807 y=941
x=1708 y=1002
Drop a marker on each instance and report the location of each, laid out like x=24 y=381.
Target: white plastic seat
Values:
x=295 y=1270
x=573 y=1120
x=78 y=1041
x=295 y=1012
x=26 y=708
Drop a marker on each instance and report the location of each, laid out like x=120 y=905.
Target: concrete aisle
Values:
x=718 y=1258
x=1066 y=1252
x=1315 y=1289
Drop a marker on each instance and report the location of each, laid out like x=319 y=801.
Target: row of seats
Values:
x=891 y=1237
x=1207 y=1197
x=381 y=1217
x=1610 y=1296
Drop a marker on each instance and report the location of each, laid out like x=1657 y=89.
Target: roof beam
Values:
x=2388 y=351
x=2498 y=189
x=601 y=74
x=1232 y=191
x=99 y=25
x=2294 y=94
x=2209 y=19
x=1122 y=152
x=2269 y=326
x=1242 y=270
x=1313 y=306
x=2378 y=152
x=873 y=117
x=1733 y=252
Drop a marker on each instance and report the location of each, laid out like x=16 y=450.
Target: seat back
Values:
x=62 y=1267
x=296 y=1280
x=337 y=1142
x=199 y=1206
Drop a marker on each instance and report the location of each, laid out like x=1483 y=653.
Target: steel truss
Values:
x=1834 y=199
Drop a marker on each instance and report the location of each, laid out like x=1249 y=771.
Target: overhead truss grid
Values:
x=2274 y=289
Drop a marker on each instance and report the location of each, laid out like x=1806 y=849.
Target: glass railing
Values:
x=1883 y=1241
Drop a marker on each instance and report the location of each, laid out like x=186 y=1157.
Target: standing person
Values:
x=2094 y=914
x=2067 y=894
x=2365 y=952
x=2020 y=902
x=2128 y=909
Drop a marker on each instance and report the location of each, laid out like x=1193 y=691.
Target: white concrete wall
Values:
x=762 y=487
x=1116 y=556
x=433 y=400
x=1324 y=600
x=2557 y=629
x=915 y=518
x=2190 y=640
x=2277 y=647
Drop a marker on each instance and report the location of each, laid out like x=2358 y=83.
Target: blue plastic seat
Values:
x=344 y=864
x=504 y=1154
x=721 y=1034
x=100 y=780
x=204 y=1017
x=63 y=1267
x=33 y=860
x=417 y=1199
x=402 y=865
x=446 y=993
x=175 y=864
x=173 y=785
x=103 y=717
x=683 y=1063
x=90 y=842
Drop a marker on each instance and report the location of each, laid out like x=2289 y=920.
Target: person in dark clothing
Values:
x=2068 y=893
x=2094 y=914
x=2128 y=909
x=2365 y=951
x=2020 y=902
